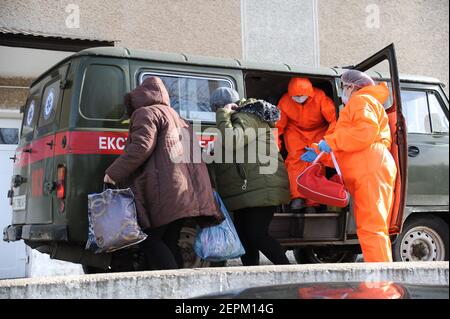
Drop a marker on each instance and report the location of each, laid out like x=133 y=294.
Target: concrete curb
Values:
x=186 y=283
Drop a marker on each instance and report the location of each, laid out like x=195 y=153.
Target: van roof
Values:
x=191 y=59
x=180 y=58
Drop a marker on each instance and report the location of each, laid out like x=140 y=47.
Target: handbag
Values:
x=219 y=242
x=315 y=186
x=113 y=221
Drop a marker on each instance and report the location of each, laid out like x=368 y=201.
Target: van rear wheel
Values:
x=190 y=258
x=94 y=270
x=322 y=255
x=422 y=239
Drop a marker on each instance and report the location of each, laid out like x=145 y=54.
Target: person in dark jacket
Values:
x=251 y=189
x=166 y=191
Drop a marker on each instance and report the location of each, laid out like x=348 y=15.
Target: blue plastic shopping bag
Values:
x=113 y=221
x=220 y=242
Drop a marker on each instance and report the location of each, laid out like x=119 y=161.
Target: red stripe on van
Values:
x=36 y=151
x=77 y=142
x=112 y=143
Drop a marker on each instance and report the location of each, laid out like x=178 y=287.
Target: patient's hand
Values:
x=231 y=107
x=108 y=180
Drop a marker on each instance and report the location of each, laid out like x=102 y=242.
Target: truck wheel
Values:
x=125 y=260
x=218 y=264
x=94 y=270
x=323 y=256
x=186 y=244
x=422 y=239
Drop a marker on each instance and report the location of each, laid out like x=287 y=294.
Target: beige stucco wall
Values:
x=419 y=29
x=206 y=27
x=13 y=92
x=280 y=31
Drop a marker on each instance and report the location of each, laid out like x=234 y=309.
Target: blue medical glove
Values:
x=309 y=156
x=324 y=147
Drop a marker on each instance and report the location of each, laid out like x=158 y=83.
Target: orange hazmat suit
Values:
x=300 y=125
x=361 y=142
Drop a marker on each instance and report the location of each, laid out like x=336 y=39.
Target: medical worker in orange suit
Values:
x=307 y=114
x=361 y=142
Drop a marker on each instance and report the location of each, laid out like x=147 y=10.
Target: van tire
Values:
x=218 y=264
x=320 y=255
x=88 y=270
x=423 y=238
x=190 y=259
x=186 y=244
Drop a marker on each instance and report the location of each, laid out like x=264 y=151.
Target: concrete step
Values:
x=186 y=283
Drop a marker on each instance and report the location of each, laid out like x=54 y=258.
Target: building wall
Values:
x=272 y=31
x=280 y=31
x=206 y=27
x=13 y=92
x=420 y=30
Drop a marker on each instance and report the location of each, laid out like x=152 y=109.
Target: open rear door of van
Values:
x=398 y=131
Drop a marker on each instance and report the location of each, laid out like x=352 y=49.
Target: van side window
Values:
x=189 y=95
x=439 y=122
x=102 y=93
x=29 y=115
x=415 y=110
x=49 y=104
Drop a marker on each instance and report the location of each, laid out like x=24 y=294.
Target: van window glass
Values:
x=390 y=99
x=9 y=135
x=102 y=93
x=190 y=95
x=29 y=115
x=415 y=110
x=439 y=121
x=49 y=104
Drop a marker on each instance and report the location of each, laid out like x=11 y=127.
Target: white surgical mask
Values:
x=300 y=99
x=344 y=98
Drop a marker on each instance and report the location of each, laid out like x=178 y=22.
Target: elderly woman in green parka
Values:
x=251 y=189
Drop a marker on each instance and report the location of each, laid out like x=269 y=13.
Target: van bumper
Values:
x=35 y=232
x=12 y=233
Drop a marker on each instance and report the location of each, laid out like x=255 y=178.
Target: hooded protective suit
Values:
x=301 y=125
x=361 y=142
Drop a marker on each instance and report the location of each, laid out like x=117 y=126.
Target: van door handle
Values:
x=49 y=187
x=18 y=180
x=50 y=144
x=413 y=151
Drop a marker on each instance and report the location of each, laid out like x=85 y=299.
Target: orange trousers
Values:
x=373 y=197
x=295 y=166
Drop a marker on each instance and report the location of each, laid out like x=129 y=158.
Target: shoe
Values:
x=297 y=204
